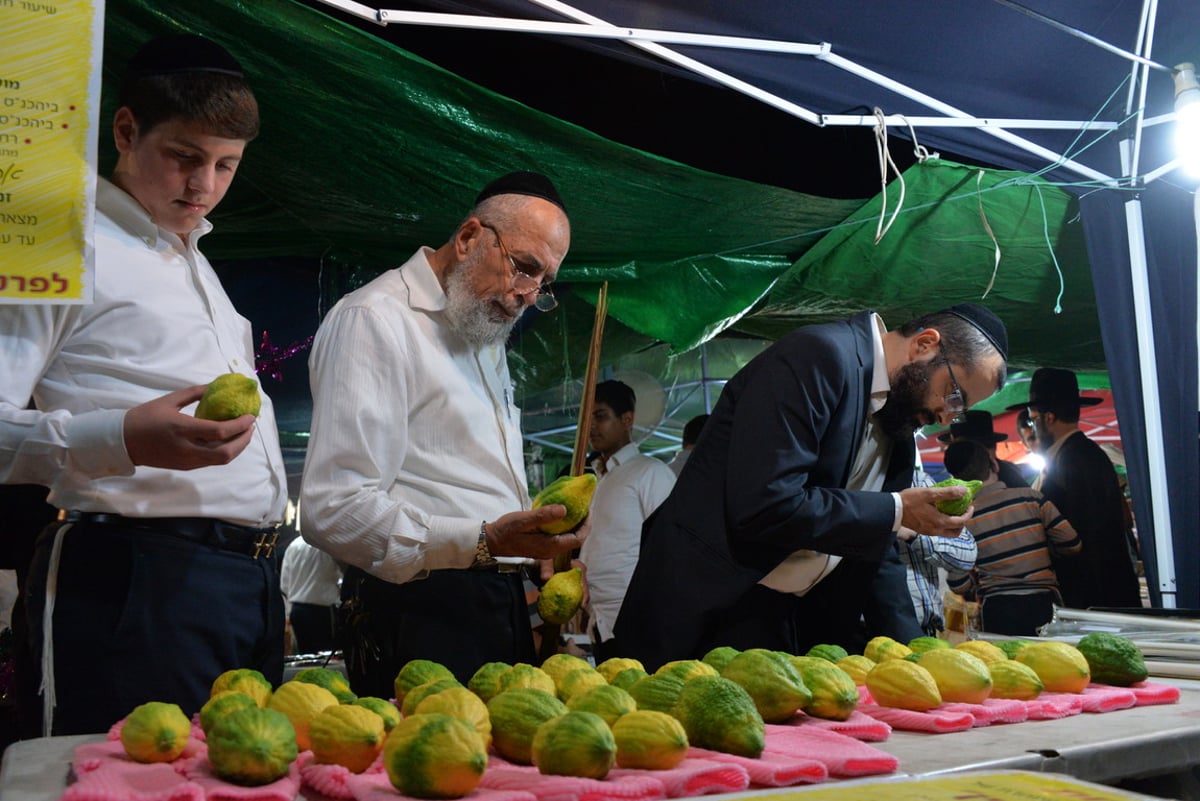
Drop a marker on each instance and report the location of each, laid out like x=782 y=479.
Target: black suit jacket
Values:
x=767 y=478
x=1081 y=482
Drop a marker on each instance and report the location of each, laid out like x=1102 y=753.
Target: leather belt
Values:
x=253 y=542
x=497 y=567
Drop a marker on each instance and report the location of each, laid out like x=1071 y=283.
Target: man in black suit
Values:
x=797 y=488
x=1080 y=480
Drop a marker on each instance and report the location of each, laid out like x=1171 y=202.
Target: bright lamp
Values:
x=1187 y=118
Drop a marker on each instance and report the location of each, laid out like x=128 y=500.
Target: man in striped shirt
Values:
x=1014 y=528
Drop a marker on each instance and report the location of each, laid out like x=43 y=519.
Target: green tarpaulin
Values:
x=368 y=152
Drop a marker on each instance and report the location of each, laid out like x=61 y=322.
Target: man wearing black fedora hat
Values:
x=976 y=425
x=1080 y=480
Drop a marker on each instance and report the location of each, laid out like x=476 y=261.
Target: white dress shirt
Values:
x=309 y=576
x=415 y=437
x=633 y=486
x=160 y=321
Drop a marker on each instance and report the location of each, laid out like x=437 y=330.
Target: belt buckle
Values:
x=509 y=567
x=264 y=546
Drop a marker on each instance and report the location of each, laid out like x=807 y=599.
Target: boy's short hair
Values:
x=617 y=395
x=967 y=460
x=190 y=78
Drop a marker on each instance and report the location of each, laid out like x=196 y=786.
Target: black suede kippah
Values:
x=184 y=52
x=522 y=183
x=985 y=321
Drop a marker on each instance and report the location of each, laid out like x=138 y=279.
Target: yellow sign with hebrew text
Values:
x=50 y=56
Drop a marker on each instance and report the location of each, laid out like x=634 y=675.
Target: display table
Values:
x=1103 y=748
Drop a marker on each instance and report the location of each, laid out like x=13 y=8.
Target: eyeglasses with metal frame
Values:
x=956 y=401
x=522 y=282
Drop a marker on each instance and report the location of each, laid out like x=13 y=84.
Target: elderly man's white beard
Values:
x=470 y=316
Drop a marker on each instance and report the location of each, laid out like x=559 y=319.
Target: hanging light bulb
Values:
x=1187 y=118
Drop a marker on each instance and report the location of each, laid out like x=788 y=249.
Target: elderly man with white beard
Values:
x=415 y=476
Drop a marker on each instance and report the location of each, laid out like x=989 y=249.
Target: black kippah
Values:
x=985 y=321
x=522 y=183
x=184 y=52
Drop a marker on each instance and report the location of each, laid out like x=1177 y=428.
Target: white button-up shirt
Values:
x=632 y=487
x=415 y=437
x=160 y=321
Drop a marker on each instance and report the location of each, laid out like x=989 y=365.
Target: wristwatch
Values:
x=483 y=557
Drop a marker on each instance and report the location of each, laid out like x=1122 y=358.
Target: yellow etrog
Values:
x=573 y=492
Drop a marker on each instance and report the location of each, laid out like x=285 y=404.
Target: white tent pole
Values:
x=600 y=27
x=390 y=16
x=1155 y=452
x=1138 y=83
x=946 y=108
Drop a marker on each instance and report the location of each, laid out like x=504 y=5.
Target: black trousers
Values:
x=142 y=618
x=1017 y=615
x=459 y=618
x=312 y=628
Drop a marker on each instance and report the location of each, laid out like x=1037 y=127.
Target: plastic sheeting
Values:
x=368 y=152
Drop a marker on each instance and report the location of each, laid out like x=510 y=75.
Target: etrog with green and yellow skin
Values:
x=330 y=679
x=625 y=679
x=1011 y=679
x=649 y=740
x=301 y=702
x=561 y=596
x=575 y=744
x=687 y=669
x=485 y=682
x=828 y=652
x=607 y=701
x=883 y=648
x=416 y=672
x=719 y=657
x=983 y=649
x=719 y=715
x=229 y=396
x=771 y=680
x=382 y=707
x=516 y=715
x=834 y=693
x=573 y=492
x=422 y=691
x=961 y=677
x=610 y=667
x=857 y=667
x=434 y=756
x=901 y=684
x=579 y=681
x=461 y=703
x=348 y=735
x=560 y=664
x=524 y=674
x=919 y=645
x=659 y=692
x=957 y=506
x=252 y=747
x=1061 y=666
x=155 y=732
x=245 y=680
x=222 y=704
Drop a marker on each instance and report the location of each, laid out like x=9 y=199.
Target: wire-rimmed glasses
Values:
x=523 y=283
